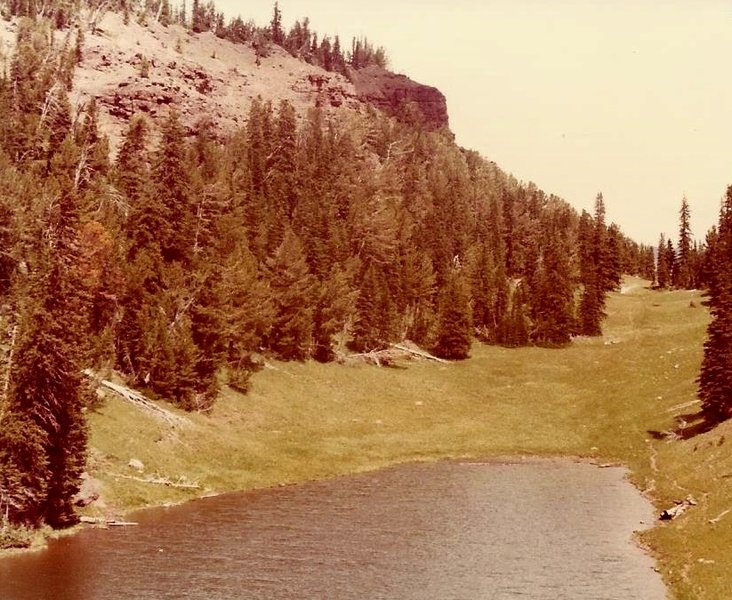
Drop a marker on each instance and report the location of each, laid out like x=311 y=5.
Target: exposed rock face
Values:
x=391 y=92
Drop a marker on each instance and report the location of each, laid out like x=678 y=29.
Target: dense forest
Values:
x=182 y=262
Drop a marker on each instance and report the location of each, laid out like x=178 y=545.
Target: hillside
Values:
x=202 y=75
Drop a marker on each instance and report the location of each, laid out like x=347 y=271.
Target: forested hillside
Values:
x=186 y=257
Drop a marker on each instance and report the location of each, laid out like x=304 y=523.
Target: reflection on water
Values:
x=545 y=530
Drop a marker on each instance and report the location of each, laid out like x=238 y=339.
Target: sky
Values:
x=631 y=98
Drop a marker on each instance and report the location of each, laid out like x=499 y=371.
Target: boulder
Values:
x=137 y=464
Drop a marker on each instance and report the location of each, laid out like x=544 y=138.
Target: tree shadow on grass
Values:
x=688 y=426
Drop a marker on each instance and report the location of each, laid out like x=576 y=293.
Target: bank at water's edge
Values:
x=611 y=399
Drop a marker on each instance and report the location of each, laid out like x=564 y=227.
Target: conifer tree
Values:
x=173 y=193
x=513 y=330
x=48 y=391
x=454 y=319
x=293 y=294
x=278 y=34
x=608 y=276
x=32 y=77
x=334 y=311
x=552 y=302
x=94 y=148
x=24 y=469
x=615 y=257
x=197 y=17
x=489 y=291
x=648 y=263
x=663 y=275
x=715 y=378
x=157 y=340
x=683 y=271
x=419 y=295
x=208 y=344
x=248 y=310
x=282 y=169
x=338 y=60
x=590 y=309
x=165 y=13
x=132 y=172
x=259 y=147
x=375 y=326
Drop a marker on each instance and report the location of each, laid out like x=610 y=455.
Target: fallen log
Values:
x=140 y=401
x=106 y=522
x=380 y=358
x=186 y=485
x=718 y=518
x=680 y=508
x=420 y=353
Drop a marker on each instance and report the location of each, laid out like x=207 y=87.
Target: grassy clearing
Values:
x=599 y=398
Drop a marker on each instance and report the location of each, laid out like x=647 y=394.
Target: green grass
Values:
x=598 y=398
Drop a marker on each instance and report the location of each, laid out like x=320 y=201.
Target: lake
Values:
x=537 y=530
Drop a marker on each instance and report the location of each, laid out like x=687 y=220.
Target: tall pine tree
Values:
x=683 y=273
x=715 y=378
x=454 y=318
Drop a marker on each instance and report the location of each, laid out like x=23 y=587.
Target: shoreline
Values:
x=46 y=535
x=607 y=404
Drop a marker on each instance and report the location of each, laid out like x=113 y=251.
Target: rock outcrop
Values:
x=392 y=92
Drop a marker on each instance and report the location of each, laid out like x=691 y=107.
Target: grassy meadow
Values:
x=611 y=399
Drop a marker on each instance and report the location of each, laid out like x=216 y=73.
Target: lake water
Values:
x=539 y=530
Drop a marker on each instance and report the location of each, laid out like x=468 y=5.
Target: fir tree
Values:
x=293 y=293
x=24 y=469
x=590 y=308
x=513 y=331
x=615 y=257
x=278 y=34
x=663 y=275
x=48 y=391
x=454 y=319
x=552 y=303
x=715 y=378
x=197 y=17
x=376 y=321
x=335 y=309
x=683 y=271
x=419 y=295
x=248 y=310
x=489 y=291
x=607 y=270
x=282 y=168
x=174 y=194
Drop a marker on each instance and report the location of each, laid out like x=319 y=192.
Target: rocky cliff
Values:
x=391 y=92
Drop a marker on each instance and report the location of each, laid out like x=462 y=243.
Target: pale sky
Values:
x=632 y=98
